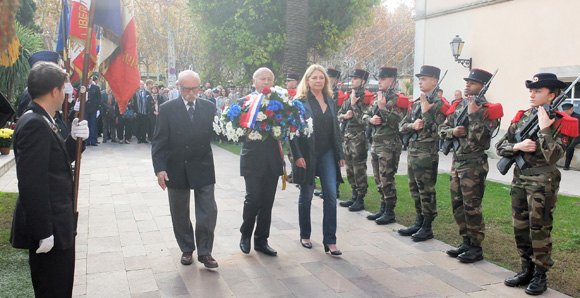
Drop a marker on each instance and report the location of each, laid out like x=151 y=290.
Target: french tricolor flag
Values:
x=248 y=119
x=118 y=59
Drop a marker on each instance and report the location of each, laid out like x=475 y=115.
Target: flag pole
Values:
x=83 y=97
x=65 y=55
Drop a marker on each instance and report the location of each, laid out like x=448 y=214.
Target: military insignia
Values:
x=389 y=104
x=399 y=110
x=565 y=140
x=491 y=124
x=441 y=118
x=535 y=79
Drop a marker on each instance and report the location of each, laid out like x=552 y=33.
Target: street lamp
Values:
x=456 y=48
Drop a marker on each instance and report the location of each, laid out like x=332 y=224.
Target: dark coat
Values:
x=303 y=147
x=181 y=148
x=45 y=182
x=93 y=103
x=257 y=156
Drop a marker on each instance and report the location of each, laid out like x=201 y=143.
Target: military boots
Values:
x=473 y=254
x=350 y=201
x=388 y=216
x=425 y=232
x=522 y=278
x=378 y=214
x=539 y=283
x=358 y=205
x=414 y=228
x=463 y=247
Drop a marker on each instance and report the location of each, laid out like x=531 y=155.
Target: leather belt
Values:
x=425 y=145
x=539 y=170
x=469 y=156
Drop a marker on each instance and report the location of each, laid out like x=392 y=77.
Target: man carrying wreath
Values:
x=261 y=165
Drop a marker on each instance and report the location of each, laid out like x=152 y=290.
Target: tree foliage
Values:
x=13 y=79
x=245 y=35
x=25 y=14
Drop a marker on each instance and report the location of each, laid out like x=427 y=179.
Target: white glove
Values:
x=98 y=113
x=45 y=245
x=79 y=129
x=68 y=89
x=77 y=106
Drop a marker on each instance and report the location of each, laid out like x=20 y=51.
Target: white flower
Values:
x=265 y=102
x=240 y=132
x=291 y=135
x=229 y=126
x=261 y=116
x=217 y=128
x=230 y=134
x=255 y=135
x=276 y=131
x=309 y=126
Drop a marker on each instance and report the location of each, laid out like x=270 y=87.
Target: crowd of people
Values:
x=178 y=123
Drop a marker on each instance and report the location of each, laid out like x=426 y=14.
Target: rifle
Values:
x=417 y=115
x=530 y=131
x=358 y=93
x=463 y=120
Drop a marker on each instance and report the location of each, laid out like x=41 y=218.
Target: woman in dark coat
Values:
x=319 y=155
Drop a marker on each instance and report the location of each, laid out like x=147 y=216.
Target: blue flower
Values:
x=267 y=128
x=278 y=117
x=275 y=105
x=233 y=112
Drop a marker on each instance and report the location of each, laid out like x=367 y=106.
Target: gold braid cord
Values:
x=9 y=45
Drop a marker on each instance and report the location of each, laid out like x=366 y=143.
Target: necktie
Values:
x=190 y=111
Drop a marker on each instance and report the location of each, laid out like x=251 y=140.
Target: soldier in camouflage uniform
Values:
x=355 y=142
x=535 y=187
x=384 y=116
x=469 y=167
x=423 y=156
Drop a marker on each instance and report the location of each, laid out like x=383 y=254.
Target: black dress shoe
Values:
x=208 y=261
x=245 y=245
x=186 y=258
x=266 y=249
x=306 y=244
x=332 y=252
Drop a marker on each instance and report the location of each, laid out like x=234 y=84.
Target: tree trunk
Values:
x=296 y=50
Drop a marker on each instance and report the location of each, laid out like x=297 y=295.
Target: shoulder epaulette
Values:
x=518 y=116
x=445 y=108
x=493 y=111
x=566 y=125
x=453 y=107
x=369 y=97
x=342 y=97
x=403 y=101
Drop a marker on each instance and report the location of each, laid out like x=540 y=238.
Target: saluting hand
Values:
x=425 y=105
x=381 y=100
x=353 y=98
x=472 y=107
x=161 y=178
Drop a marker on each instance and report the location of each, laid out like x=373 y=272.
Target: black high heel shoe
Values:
x=306 y=244
x=332 y=252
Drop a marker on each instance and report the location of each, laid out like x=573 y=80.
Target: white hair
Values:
x=259 y=70
x=188 y=73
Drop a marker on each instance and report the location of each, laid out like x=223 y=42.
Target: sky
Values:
x=392 y=4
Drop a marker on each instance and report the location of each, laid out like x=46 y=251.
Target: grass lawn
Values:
x=14 y=270
x=498 y=246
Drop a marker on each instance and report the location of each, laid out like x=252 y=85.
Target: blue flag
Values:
x=63 y=27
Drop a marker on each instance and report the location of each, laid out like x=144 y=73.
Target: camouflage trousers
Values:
x=422 y=170
x=355 y=160
x=532 y=222
x=385 y=161
x=467 y=185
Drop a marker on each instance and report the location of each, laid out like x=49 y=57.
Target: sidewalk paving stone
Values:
x=125 y=245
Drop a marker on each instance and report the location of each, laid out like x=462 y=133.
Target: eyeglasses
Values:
x=187 y=90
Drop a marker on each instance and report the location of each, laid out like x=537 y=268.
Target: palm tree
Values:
x=296 y=49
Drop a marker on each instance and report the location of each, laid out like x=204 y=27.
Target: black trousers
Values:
x=569 y=154
x=53 y=272
x=260 y=194
x=142 y=126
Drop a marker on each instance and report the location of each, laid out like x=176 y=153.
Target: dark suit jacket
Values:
x=181 y=148
x=303 y=147
x=93 y=103
x=45 y=182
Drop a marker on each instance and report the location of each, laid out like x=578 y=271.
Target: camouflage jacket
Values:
x=479 y=129
x=551 y=143
x=390 y=115
x=431 y=120
x=356 y=123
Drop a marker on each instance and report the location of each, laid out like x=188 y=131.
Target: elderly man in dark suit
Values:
x=44 y=220
x=183 y=160
x=261 y=166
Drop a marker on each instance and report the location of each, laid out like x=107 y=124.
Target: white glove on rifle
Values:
x=45 y=245
x=79 y=129
x=77 y=106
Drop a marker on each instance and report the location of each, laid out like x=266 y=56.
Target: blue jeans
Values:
x=326 y=169
x=92 y=122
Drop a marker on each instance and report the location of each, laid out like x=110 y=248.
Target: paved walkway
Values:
x=126 y=247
